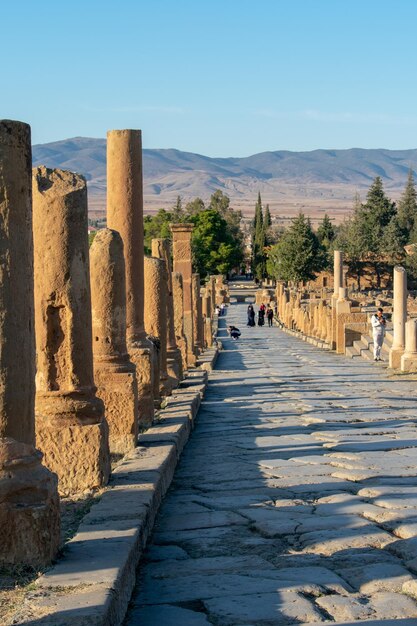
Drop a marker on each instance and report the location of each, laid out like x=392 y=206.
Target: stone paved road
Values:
x=295 y=501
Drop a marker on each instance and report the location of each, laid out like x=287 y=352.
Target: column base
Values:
x=73 y=436
x=29 y=508
x=395 y=355
x=119 y=392
x=208 y=333
x=142 y=357
x=174 y=364
x=409 y=362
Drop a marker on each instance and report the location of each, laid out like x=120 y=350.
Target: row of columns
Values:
x=115 y=331
x=327 y=320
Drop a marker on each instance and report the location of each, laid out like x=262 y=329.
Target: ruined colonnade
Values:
x=115 y=332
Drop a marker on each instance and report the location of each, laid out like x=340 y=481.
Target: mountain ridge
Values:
x=288 y=180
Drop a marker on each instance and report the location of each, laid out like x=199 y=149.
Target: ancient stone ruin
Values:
x=71 y=429
x=29 y=503
x=114 y=373
x=181 y=249
x=125 y=215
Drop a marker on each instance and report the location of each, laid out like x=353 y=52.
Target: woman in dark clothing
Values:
x=234 y=332
x=251 y=316
x=270 y=316
x=261 y=317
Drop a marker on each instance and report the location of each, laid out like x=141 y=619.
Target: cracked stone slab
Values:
x=276 y=608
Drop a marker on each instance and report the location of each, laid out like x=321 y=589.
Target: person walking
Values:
x=251 y=316
x=270 y=316
x=378 y=322
x=222 y=308
x=261 y=315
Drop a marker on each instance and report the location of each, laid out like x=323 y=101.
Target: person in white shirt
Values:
x=378 y=322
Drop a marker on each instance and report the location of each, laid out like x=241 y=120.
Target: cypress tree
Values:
x=407 y=207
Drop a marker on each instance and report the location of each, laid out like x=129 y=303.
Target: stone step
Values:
x=352 y=352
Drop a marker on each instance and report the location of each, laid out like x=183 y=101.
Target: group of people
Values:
x=262 y=313
x=221 y=310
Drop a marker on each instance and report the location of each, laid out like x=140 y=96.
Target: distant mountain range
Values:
x=289 y=181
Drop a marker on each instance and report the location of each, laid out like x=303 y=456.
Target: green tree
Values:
x=373 y=217
x=194 y=207
x=407 y=208
x=393 y=242
x=298 y=256
x=178 y=213
x=156 y=226
x=259 y=241
x=214 y=248
x=325 y=231
x=326 y=235
x=267 y=217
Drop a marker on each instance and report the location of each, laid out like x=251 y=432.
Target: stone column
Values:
x=399 y=316
x=206 y=309
x=338 y=283
x=114 y=374
x=212 y=289
x=343 y=308
x=178 y=297
x=161 y=250
x=338 y=273
x=29 y=503
x=125 y=215
x=156 y=319
x=70 y=426
x=183 y=264
x=197 y=314
x=409 y=358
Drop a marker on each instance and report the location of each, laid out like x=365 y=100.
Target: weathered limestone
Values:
x=337 y=284
x=183 y=264
x=211 y=285
x=178 y=298
x=70 y=427
x=343 y=315
x=114 y=374
x=156 y=319
x=29 y=503
x=338 y=273
x=197 y=313
x=409 y=358
x=399 y=316
x=161 y=250
x=125 y=215
x=206 y=311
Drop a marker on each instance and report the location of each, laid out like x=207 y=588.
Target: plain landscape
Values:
x=314 y=182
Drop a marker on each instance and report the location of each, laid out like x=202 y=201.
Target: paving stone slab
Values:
x=103 y=555
x=274 y=608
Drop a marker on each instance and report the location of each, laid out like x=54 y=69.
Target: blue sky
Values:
x=218 y=77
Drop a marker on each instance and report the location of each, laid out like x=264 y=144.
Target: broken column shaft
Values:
x=70 y=427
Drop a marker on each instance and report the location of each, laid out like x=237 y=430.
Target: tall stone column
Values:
x=212 y=289
x=161 y=250
x=29 y=502
x=70 y=427
x=156 y=319
x=125 y=215
x=183 y=264
x=114 y=374
x=178 y=297
x=337 y=273
x=409 y=358
x=197 y=314
x=206 y=310
x=337 y=284
x=399 y=316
